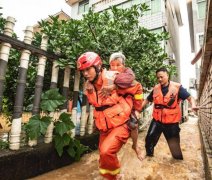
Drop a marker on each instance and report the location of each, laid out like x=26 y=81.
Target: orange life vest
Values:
x=166 y=108
x=136 y=91
x=112 y=111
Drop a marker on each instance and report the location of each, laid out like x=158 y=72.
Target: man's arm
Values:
x=148 y=99
x=184 y=94
x=193 y=103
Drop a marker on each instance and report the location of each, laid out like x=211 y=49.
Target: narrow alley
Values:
x=160 y=167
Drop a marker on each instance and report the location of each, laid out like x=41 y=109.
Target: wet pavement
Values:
x=160 y=167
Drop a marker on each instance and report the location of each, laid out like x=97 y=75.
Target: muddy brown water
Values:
x=160 y=167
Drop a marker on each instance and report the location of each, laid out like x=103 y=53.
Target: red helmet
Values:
x=88 y=59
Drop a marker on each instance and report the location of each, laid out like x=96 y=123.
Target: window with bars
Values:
x=154 y=6
x=83 y=7
x=157 y=30
x=201 y=8
x=127 y=4
x=134 y=2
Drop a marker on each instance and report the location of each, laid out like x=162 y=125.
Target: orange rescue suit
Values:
x=112 y=111
x=166 y=108
x=110 y=116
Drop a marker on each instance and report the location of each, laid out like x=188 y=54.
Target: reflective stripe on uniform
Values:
x=138 y=96
x=106 y=171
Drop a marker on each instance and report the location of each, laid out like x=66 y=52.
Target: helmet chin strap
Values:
x=97 y=69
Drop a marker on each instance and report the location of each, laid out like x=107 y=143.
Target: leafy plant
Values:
x=37 y=125
x=4 y=144
x=6 y=112
x=76 y=149
x=10 y=81
x=2 y=22
x=63 y=139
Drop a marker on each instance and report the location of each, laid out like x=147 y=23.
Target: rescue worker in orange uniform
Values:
x=166 y=97
x=125 y=83
x=111 y=113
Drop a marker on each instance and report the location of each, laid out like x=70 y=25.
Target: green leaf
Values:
x=51 y=100
x=64 y=124
x=66 y=118
x=37 y=126
x=71 y=150
x=61 y=128
x=44 y=123
x=4 y=145
x=62 y=138
x=80 y=149
x=61 y=142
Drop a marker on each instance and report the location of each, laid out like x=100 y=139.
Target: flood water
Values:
x=160 y=167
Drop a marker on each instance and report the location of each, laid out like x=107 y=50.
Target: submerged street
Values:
x=160 y=167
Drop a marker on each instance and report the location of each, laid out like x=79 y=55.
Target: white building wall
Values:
x=153 y=21
x=96 y=5
x=74 y=11
x=105 y=4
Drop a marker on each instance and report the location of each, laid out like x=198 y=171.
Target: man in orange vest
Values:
x=111 y=113
x=166 y=97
